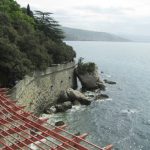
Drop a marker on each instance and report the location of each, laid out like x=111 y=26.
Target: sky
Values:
x=128 y=17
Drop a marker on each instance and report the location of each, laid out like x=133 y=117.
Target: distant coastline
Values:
x=72 y=34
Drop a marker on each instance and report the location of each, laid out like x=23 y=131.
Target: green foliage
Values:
x=28 y=11
x=28 y=42
x=9 y=6
x=14 y=64
x=84 y=68
x=48 y=25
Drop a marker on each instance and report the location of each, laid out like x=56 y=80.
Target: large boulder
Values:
x=63 y=97
x=76 y=95
x=91 y=80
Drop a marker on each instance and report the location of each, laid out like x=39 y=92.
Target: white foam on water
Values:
x=109 y=99
x=108 y=75
x=53 y=117
x=129 y=111
x=104 y=100
x=76 y=108
x=147 y=122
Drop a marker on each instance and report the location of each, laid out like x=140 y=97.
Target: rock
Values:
x=63 y=97
x=76 y=95
x=76 y=102
x=101 y=96
x=51 y=110
x=77 y=134
x=85 y=101
x=60 y=108
x=59 y=123
x=89 y=81
x=67 y=105
x=91 y=95
x=101 y=86
x=63 y=107
x=104 y=96
x=109 y=82
x=97 y=91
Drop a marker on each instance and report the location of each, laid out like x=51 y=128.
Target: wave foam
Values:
x=129 y=111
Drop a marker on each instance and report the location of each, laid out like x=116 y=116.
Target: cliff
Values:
x=42 y=89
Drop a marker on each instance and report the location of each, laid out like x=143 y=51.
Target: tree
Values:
x=49 y=26
x=29 y=12
x=13 y=64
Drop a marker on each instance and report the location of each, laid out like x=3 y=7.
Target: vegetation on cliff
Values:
x=84 y=68
x=28 y=41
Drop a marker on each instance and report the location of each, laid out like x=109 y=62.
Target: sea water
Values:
x=124 y=119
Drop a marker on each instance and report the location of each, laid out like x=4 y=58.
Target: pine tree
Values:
x=49 y=26
x=29 y=12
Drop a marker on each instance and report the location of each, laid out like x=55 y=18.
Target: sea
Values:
x=124 y=118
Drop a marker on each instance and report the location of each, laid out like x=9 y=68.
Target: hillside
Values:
x=72 y=34
x=28 y=41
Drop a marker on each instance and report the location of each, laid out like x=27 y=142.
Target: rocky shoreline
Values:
x=73 y=98
x=70 y=97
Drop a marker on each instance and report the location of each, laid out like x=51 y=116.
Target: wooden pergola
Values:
x=21 y=130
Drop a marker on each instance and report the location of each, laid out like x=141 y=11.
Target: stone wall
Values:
x=42 y=89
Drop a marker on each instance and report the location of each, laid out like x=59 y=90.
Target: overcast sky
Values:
x=115 y=16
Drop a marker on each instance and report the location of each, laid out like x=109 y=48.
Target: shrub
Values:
x=84 y=68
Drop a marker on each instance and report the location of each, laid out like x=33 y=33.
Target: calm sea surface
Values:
x=124 y=119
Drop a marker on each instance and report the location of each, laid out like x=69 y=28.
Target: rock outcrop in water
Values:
x=101 y=96
x=90 y=81
x=109 y=82
x=89 y=76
